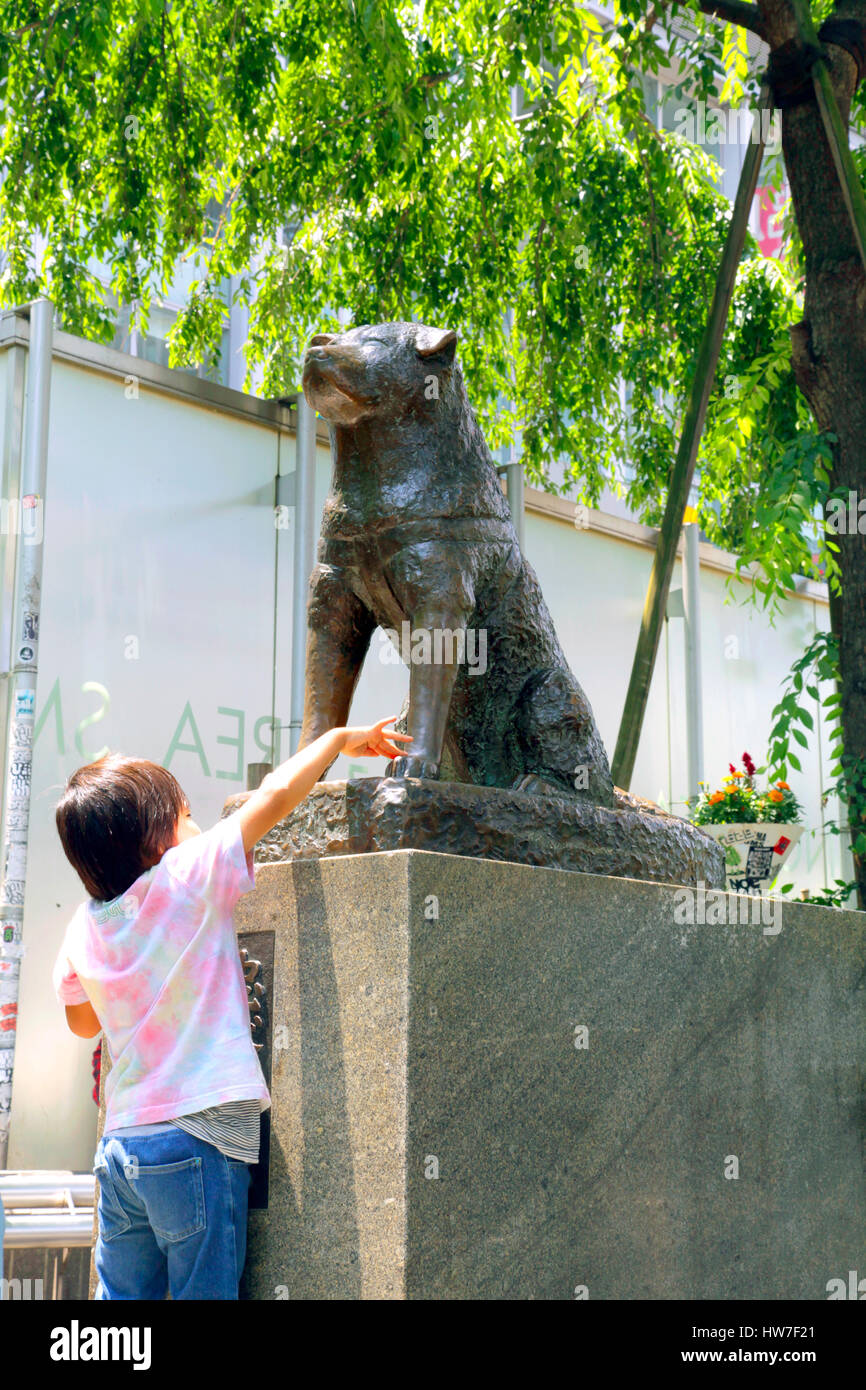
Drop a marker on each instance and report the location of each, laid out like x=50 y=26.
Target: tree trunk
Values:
x=829 y=361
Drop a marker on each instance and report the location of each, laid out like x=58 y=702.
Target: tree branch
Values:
x=732 y=11
x=735 y=12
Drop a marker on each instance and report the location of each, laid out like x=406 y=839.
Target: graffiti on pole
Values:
x=13 y=864
x=18 y=799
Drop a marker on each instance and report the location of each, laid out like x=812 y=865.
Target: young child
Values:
x=152 y=961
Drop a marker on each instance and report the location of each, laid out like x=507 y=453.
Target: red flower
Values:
x=732 y=769
x=748 y=765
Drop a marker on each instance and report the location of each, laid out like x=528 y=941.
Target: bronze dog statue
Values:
x=417 y=539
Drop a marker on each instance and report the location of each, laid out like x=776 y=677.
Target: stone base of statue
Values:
x=496 y=1081
x=635 y=839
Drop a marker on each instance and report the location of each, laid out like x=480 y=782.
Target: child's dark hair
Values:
x=116 y=819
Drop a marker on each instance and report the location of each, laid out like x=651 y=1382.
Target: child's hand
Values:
x=374 y=742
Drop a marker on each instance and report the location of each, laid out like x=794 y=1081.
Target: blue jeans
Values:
x=172 y=1216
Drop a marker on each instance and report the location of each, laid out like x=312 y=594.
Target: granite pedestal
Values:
x=496 y=1081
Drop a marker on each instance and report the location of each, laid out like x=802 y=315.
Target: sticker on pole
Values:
x=25 y=703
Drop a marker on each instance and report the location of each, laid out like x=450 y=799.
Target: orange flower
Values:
x=776 y=796
x=784 y=786
x=716 y=796
x=739 y=774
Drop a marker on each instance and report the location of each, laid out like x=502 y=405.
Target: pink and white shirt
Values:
x=161 y=968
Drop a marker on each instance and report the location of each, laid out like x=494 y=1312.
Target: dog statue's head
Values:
x=385 y=370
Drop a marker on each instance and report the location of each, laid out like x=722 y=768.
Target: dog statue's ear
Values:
x=435 y=342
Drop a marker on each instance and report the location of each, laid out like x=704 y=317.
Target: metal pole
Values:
x=22 y=694
x=694 y=695
x=509 y=464
x=684 y=465
x=514 y=490
x=13 y=439
x=302 y=560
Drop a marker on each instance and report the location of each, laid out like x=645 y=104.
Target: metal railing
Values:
x=47 y=1209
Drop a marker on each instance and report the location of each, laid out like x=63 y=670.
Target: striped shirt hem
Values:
x=233 y=1128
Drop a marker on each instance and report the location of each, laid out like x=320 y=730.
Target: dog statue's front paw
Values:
x=412 y=767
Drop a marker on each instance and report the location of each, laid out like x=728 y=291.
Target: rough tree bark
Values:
x=829 y=350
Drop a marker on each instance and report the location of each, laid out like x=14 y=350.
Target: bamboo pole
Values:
x=684 y=465
x=834 y=129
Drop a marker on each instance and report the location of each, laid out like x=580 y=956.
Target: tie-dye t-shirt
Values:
x=161 y=968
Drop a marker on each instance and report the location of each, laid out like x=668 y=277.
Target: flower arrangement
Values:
x=740 y=802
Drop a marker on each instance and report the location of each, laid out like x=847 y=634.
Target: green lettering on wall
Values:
x=53 y=699
x=271 y=749
x=238 y=774
x=177 y=747
x=93 y=718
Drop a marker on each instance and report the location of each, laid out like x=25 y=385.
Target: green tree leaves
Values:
x=574 y=247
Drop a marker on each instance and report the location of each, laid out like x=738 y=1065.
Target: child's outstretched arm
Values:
x=288 y=784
